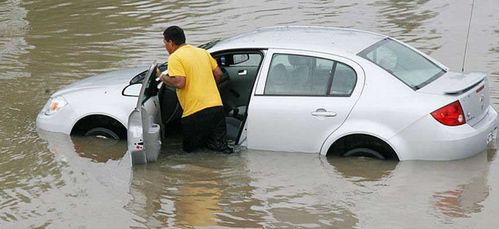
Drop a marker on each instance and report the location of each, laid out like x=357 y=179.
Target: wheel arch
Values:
x=364 y=140
x=90 y=121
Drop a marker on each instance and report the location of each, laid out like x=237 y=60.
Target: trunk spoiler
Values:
x=461 y=83
x=454 y=83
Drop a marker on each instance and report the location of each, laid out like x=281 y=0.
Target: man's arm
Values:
x=217 y=73
x=174 y=81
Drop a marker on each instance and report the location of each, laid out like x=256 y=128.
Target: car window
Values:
x=140 y=77
x=344 y=80
x=404 y=63
x=298 y=75
x=239 y=60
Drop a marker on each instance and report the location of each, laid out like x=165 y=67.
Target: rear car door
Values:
x=144 y=131
x=300 y=99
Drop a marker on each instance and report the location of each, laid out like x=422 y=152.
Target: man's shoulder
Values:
x=189 y=49
x=197 y=49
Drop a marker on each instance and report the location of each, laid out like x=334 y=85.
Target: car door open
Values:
x=144 y=131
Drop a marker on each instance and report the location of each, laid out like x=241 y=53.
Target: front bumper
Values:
x=427 y=139
x=61 y=121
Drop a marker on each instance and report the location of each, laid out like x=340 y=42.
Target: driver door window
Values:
x=240 y=70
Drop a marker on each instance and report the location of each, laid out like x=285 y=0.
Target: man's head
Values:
x=173 y=38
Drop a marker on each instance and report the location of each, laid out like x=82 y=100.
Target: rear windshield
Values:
x=404 y=63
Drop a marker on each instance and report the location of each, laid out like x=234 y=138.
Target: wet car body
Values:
x=93 y=103
x=329 y=91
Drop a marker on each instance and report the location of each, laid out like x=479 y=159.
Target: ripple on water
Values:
x=13 y=28
x=72 y=183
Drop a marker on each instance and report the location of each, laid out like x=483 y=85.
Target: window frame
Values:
x=329 y=82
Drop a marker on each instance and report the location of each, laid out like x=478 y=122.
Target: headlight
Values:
x=54 y=105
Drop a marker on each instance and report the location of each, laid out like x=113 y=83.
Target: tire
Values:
x=102 y=132
x=364 y=152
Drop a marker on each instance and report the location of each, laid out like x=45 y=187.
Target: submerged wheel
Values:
x=364 y=152
x=102 y=132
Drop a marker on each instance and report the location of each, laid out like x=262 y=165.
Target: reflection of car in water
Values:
x=362 y=169
x=342 y=92
x=90 y=180
x=367 y=193
x=261 y=189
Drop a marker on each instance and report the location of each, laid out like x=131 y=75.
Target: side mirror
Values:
x=132 y=90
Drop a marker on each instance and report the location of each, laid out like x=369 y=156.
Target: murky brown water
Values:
x=52 y=180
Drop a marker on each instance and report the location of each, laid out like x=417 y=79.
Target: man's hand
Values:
x=158 y=72
x=217 y=73
x=173 y=81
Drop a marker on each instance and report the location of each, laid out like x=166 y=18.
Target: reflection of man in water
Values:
x=194 y=73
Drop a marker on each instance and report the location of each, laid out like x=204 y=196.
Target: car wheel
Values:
x=102 y=132
x=364 y=152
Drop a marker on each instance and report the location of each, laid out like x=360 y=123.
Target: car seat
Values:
x=277 y=80
x=300 y=76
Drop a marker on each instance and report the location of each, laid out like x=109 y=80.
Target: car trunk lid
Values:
x=471 y=89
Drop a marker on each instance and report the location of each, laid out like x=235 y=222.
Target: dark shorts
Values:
x=205 y=128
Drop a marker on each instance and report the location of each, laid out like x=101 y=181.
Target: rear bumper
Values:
x=427 y=139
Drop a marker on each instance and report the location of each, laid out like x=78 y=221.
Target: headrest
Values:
x=300 y=60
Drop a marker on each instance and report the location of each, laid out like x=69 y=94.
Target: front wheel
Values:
x=103 y=133
x=364 y=152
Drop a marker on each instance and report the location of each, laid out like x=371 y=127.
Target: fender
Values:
x=365 y=127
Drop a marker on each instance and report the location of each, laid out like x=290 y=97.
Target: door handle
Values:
x=321 y=112
x=242 y=72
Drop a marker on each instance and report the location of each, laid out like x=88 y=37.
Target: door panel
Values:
x=151 y=128
x=144 y=140
x=295 y=107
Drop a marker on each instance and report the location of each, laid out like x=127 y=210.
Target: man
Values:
x=195 y=74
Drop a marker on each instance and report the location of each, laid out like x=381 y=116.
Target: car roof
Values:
x=311 y=38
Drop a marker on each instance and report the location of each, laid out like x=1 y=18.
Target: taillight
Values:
x=450 y=115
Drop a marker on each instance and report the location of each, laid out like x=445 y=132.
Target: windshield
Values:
x=404 y=63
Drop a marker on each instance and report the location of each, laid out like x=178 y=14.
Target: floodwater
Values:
x=50 y=180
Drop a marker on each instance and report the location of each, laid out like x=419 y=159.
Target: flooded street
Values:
x=50 y=180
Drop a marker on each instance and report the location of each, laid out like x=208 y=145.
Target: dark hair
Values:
x=175 y=34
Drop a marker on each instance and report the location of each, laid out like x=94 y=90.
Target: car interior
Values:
x=297 y=75
x=240 y=69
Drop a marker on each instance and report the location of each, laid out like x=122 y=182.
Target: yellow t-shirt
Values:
x=200 y=90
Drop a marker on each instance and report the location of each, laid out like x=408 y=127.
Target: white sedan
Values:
x=308 y=89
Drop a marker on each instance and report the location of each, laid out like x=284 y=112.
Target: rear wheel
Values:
x=103 y=133
x=361 y=145
x=364 y=152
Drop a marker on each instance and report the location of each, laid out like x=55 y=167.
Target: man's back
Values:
x=200 y=89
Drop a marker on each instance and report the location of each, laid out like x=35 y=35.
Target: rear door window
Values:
x=299 y=75
x=344 y=80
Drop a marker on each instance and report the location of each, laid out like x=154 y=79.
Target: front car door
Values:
x=144 y=132
x=300 y=99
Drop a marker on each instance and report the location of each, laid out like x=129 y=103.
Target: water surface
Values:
x=51 y=180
